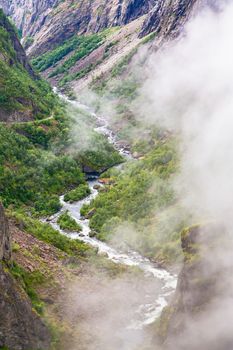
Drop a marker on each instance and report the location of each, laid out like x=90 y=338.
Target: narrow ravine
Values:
x=148 y=312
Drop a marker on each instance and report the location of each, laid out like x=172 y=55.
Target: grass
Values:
x=66 y=222
x=29 y=281
x=46 y=233
x=77 y=194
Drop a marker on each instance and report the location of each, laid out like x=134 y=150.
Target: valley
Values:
x=114 y=202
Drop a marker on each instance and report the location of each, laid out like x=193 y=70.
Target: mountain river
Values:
x=148 y=312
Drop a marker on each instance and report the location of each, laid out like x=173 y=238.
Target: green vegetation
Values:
x=77 y=194
x=66 y=222
x=46 y=233
x=141 y=207
x=32 y=176
x=41 y=160
x=123 y=64
x=71 y=51
x=29 y=281
x=91 y=148
x=80 y=74
x=20 y=90
x=79 y=46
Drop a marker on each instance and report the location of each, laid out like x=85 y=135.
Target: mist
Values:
x=190 y=92
x=104 y=310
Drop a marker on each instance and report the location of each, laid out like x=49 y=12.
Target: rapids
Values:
x=148 y=312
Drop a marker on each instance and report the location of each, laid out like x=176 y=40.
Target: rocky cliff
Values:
x=23 y=95
x=20 y=326
x=167 y=17
x=204 y=286
x=19 y=53
x=51 y=28
x=5 y=239
x=45 y=24
x=48 y=23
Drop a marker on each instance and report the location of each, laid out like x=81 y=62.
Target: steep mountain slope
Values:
x=23 y=95
x=28 y=15
x=50 y=22
x=199 y=314
x=54 y=33
x=168 y=17
x=21 y=327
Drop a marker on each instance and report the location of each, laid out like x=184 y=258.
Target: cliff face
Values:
x=51 y=22
x=52 y=25
x=23 y=95
x=19 y=54
x=198 y=317
x=20 y=326
x=5 y=240
x=167 y=17
x=28 y=15
x=47 y=23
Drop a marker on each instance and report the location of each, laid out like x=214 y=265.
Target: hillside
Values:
x=40 y=158
x=78 y=42
x=116 y=192
x=24 y=96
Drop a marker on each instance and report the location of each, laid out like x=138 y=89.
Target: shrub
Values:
x=77 y=194
x=66 y=222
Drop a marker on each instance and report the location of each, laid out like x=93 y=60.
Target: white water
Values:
x=151 y=310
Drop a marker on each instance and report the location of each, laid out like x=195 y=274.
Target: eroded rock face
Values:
x=168 y=17
x=199 y=315
x=20 y=55
x=20 y=326
x=28 y=15
x=5 y=239
x=50 y=22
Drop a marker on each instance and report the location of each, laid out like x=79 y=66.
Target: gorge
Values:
x=115 y=175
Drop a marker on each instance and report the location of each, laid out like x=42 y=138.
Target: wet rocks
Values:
x=106 y=181
x=93 y=234
x=90 y=214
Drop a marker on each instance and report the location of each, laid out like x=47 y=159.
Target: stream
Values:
x=149 y=311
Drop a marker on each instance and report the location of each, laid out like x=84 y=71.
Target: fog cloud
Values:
x=190 y=91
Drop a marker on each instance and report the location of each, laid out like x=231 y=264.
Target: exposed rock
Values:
x=198 y=288
x=5 y=239
x=20 y=55
x=20 y=326
x=106 y=181
x=15 y=116
x=168 y=17
x=93 y=234
x=90 y=213
x=50 y=22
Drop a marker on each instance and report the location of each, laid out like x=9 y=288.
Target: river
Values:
x=148 y=312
